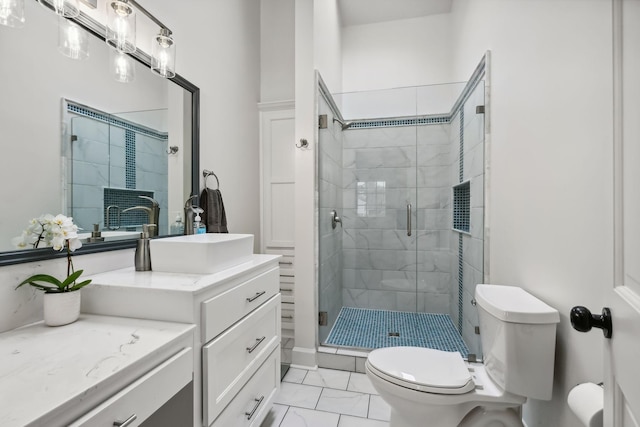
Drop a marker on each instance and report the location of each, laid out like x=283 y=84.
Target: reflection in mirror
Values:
x=116 y=176
x=75 y=161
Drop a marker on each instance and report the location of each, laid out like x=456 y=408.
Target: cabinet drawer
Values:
x=252 y=404
x=230 y=359
x=222 y=311
x=145 y=395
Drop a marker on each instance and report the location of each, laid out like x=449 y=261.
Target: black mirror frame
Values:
x=40 y=254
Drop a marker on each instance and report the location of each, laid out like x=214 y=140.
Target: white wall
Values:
x=409 y=52
x=550 y=206
x=277 y=73
x=327 y=43
x=218 y=49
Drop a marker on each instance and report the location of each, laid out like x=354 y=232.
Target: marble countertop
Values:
x=162 y=281
x=46 y=371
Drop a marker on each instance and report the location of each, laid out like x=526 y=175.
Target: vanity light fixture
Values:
x=12 y=13
x=121 y=26
x=123 y=67
x=163 y=54
x=73 y=41
x=66 y=8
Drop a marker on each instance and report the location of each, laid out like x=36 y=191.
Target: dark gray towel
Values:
x=214 y=216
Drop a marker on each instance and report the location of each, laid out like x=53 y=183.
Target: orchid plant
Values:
x=60 y=233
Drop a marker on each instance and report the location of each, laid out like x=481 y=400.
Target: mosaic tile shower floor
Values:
x=367 y=328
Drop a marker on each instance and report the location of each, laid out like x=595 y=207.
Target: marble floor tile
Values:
x=275 y=416
x=343 y=402
x=379 y=409
x=349 y=421
x=361 y=384
x=328 y=378
x=301 y=396
x=295 y=375
x=299 y=417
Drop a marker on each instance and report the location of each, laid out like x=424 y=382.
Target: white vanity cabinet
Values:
x=237 y=316
x=95 y=372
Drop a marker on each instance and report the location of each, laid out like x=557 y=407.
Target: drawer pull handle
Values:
x=256 y=296
x=286 y=290
x=258 y=342
x=126 y=422
x=287 y=317
x=286 y=262
x=258 y=402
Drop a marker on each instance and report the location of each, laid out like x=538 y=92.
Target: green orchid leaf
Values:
x=41 y=278
x=72 y=278
x=43 y=288
x=79 y=285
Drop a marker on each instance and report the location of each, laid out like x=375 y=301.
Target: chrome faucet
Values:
x=189 y=211
x=153 y=212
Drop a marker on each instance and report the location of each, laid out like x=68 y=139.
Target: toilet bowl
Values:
x=422 y=384
x=426 y=387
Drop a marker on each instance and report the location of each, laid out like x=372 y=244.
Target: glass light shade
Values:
x=163 y=54
x=121 y=26
x=66 y=8
x=12 y=13
x=73 y=41
x=123 y=67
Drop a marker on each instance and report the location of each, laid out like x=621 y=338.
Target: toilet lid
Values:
x=423 y=369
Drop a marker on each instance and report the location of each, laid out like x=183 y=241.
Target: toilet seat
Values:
x=422 y=369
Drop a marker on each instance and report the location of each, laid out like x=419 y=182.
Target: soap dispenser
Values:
x=143 y=253
x=178 y=226
x=198 y=226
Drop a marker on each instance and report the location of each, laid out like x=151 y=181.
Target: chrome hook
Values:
x=335 y=219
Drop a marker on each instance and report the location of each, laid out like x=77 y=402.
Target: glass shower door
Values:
x=380 y=197
x=88 y=171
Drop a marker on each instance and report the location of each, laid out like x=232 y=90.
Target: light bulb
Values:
x=72 y=40
x=163 y=54
x=123 y=67
x=121 y=26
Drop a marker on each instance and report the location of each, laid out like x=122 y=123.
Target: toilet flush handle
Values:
x=582 y=320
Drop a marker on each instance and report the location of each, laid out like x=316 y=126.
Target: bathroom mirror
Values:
x=36 y=132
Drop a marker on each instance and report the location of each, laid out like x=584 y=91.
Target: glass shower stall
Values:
x=401 y=216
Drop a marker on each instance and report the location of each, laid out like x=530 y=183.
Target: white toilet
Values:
x=427 y=387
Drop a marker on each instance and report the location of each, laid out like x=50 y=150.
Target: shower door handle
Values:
x=409 y=219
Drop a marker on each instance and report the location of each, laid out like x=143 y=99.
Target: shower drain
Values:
x=394 y=334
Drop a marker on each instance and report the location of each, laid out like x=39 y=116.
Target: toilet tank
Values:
x=518 y=334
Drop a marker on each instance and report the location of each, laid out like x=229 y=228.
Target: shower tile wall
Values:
x=90 y=167
x=151 y=173
x=329 y=198
x=380 y=178
x=99 y=161
x=472 y=242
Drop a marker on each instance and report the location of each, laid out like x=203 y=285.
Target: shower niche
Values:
x=404 y=168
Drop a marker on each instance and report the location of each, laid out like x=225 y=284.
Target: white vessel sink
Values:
x=200 y=253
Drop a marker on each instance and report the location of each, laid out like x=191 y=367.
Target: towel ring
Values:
x=206 y=174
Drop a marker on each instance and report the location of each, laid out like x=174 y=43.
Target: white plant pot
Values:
x=61 y=308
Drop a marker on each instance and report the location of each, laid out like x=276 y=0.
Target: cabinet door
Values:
x=278 y=178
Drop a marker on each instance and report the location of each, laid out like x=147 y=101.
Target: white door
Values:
x=622 y=382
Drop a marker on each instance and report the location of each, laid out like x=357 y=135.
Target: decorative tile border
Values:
x=413 y=121
x=109 y=119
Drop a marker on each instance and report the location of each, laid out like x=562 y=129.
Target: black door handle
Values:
x=582 y=320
